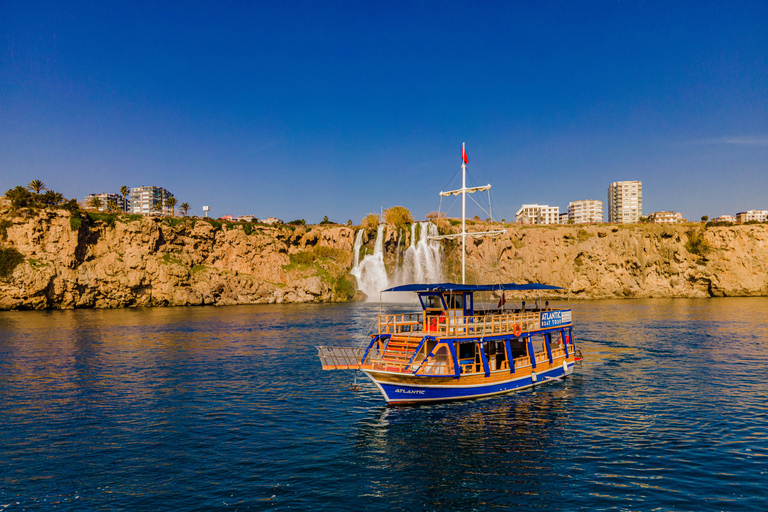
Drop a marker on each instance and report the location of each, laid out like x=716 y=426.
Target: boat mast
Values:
x=464 y=191
x=463 y=209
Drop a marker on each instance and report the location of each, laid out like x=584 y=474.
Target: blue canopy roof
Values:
x=452 y=287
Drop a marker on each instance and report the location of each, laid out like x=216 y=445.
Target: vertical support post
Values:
x=510 y=359
x=484 y=359
x=531 y=353
x=564 y=339
x=548 y=344
x=452 y=348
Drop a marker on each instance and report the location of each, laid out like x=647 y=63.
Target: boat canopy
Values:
x=453 y=287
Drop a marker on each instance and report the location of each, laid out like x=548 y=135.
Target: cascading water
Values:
x=370 y=272
x=421 y=263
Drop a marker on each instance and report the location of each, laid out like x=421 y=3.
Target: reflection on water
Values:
x=227 y=408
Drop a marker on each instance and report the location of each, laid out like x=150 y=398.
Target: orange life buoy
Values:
x=517 y=330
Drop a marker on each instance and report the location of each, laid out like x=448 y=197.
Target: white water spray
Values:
x=421 y=263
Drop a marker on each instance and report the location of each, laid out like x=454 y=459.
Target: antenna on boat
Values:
x=464 y=191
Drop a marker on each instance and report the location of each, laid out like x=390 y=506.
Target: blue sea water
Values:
x=228 y=409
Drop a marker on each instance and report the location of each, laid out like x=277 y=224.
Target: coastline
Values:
x=116 y=261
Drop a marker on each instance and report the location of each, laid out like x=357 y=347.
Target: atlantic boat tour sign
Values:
x=555 y=318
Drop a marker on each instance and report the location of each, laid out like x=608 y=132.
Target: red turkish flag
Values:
x=464 y=154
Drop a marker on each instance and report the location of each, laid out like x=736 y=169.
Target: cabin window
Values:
x=455 y=301
x=518 y=348
x=467 y=351
x=433 y=302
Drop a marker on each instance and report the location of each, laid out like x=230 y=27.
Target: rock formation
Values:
x=144 y=261
x=50 y=259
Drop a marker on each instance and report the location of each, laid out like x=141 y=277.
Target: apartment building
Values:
x=757 y=215
x=625 y=202
x=538 y=214
x=585 y=211
x=119 y=200
x=725 y=218
x=144 y=199
x=666 y=217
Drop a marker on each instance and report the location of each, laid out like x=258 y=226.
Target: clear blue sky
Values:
x=306 y=109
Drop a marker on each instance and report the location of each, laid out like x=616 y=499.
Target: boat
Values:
x=452 y=350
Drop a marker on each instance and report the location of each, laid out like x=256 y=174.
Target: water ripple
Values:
x=228 y=409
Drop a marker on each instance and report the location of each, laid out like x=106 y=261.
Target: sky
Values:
x=306 y=109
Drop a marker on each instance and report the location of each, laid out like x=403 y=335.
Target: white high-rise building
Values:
x=756 y=215
x=538 y=214
x=105 y=198
x=144 y=199
x=625 y=202
x=585 y=211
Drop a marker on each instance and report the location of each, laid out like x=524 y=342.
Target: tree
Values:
x=371 y=221
x=704 y=218
x=112 y=205
x=398 y=216
x=170 y=202
x=36 y=185
x=185 y=208
x=326 y=221
x=19 y=196
x=124 y=191
x=51 y=198
x=95 y=202
x=157 y=207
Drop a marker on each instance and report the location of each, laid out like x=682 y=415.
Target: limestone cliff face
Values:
x=639 y=261
x=154 y=262
x=137 y=261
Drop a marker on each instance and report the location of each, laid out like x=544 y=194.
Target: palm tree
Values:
x=158 y=207
x=170 y=202
x=19 y=196
x=124 y=191
x=185 y=208
x=95 y=202
x=36 y=185
x=112 y=205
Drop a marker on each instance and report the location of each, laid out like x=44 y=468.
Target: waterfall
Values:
x=370 y=272
x=421 y=263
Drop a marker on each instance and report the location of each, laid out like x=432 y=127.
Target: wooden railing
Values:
x=486 y=325
x=398 y=324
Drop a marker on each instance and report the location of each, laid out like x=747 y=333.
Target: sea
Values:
x=227 y=408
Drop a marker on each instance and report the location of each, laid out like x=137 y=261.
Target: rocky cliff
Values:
x=54 y=259
x=66 y=261
x=638 y=261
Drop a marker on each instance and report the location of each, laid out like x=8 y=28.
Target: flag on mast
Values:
x=502 y=300
x=464 y=154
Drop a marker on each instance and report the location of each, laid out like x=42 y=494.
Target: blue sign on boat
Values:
x=555 y=318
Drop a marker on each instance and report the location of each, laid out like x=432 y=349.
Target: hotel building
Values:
x=119 y=200
x=585 y=211
x=666 y=217
x=144 y=199
x=757 y=215
x=625 y=202
x=538 y=214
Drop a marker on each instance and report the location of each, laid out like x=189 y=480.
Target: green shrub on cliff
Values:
x=697 y=244
x=344 y=287
x=107 y=218
x=75 y=221
x=4 y=225
x=9 y=260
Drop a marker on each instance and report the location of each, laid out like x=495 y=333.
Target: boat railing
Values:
x=486 y=325
x=398 y=324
